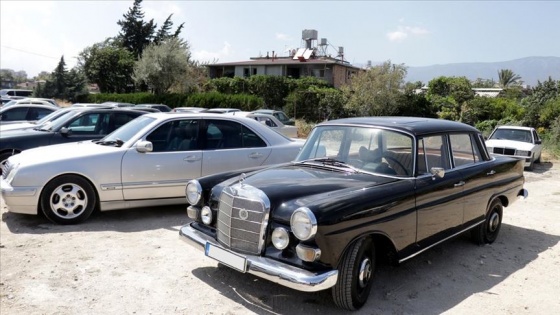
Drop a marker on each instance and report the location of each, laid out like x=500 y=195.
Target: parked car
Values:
x=35 y=124
x=15 y=93
x=24 y=112
x=359 y=190
x=220 y=110
x=161 y=107
x=31 y=100
x=118 y=104
x=76 y=125
x=188 y=109
x=517 y=141
x=147 y=162
x=280 y=115
x=272 y=122
x=91 y=105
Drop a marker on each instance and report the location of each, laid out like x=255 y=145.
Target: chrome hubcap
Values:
x=494 y=222
x=365 y=273
x=68 y=201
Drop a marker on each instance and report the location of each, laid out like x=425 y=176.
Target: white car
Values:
x=270 y=121
x=518 y=141
x=146 y=162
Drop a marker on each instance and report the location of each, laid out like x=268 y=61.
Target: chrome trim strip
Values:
x=439 y=242
x=152 y=184
x=266 y=268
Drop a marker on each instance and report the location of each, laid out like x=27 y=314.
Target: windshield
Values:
x=58 y=122
x=52 y=116
x=367 y=149
x=129 y=130
x=512 y=134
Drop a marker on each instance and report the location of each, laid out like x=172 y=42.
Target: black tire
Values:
x=531 y=165
x=68 y=199
x=355 y=275
x=487 y=232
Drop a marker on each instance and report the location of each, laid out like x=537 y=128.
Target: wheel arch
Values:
x=385 y=249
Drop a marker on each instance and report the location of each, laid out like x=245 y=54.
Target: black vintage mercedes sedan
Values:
x=361 y=189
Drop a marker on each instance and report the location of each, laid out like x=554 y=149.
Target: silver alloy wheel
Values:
x=365 y=272
x=68 y=201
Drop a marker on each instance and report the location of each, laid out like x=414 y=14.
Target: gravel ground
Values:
x=133 y=262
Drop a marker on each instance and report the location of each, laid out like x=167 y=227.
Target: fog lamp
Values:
x=280 y=238
x=307 y=253
x=206 y=215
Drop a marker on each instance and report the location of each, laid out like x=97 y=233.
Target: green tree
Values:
x=108 y=65
x=163 y=66
x=449 y=95
x=376 y=91
x=163 y=32
x=135 y=33
x=535 y=106
x=507 y=78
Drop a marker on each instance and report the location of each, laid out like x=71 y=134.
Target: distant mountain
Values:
x=530 y=69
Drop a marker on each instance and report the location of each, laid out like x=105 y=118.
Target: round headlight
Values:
x=280 y=238
x=206 y=215
x=193 y=191
x=303 y=223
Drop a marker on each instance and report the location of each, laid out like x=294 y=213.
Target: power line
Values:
x=29 y=52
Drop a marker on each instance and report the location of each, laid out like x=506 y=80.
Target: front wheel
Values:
x=487 y=232
x=68 y=199
x=355 y=275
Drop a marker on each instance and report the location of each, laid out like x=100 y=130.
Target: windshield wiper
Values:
x=332 y=162
x=117 y=142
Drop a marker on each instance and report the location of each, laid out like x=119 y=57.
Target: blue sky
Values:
x=35 y=34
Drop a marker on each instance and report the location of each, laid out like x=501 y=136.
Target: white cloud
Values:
x=404 y=32
x=283 y=37
x=210 y=56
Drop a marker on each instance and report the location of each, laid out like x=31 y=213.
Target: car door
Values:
x=85 y=126
x=230 y=145
x=163 y=173
x=439 y=200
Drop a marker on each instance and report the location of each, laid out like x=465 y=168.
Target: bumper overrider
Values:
x=266 y=268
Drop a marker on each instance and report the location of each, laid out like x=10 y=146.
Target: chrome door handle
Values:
x=459 y=184
x=191 y=158
x=255 y=155
x=492 y=172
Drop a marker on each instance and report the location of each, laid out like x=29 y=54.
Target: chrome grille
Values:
x=505 y=151
x=242 y=218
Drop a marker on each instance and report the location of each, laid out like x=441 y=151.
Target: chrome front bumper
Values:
x=266 y=268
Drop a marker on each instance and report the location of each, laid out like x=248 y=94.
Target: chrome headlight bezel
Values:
x=193 y=192
x=280 y=238
x=303 y=224
x=206 y=215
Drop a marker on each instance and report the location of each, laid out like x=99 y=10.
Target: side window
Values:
x=15 y=114
x=431 y=153
x=223 y=134
x=177 y=135
x=250 y=139
x=85 y=124
x=536 y=136
x=120 y=119
x=269 y=122
x=42 y=112
x=160 y=137
x=464 y=152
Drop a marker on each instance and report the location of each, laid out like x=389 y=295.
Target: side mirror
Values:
x=538 y=142
x=65 y=131
x=144 y=146
x=437 y=172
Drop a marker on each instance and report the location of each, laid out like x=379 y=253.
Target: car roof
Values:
x=515 y=127
x=413 y=125
x=49 y=106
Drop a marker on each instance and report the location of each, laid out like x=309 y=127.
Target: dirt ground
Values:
x=133 y=262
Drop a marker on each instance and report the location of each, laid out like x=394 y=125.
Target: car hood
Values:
x=18 y=133
x=8 y=127
x=502 y=143
x=60 y=153
x=295 y=185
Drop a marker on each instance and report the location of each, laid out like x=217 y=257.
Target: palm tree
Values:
x=507 y=78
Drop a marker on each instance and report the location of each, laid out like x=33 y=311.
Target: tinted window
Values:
x=177 y=135
x=37 y=113
x=85 y=124
x=225 y=134
x=15 y=114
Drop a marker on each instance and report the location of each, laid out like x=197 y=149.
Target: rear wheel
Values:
x=68 y=199
x=355 y=275
x=487 y=232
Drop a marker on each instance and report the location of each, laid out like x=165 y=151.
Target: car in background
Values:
x=361 y=190
x=15 y=93
x=34 y=124
x=188 y=109
x=518 y=141
x=272 y=122
x=75 y=125
x=280 y=115
x=161 y=107
x=24 y=112
x=91 y=105
x=26 y=101
x=118 y=104
x=220 y=110
x=147 y=162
